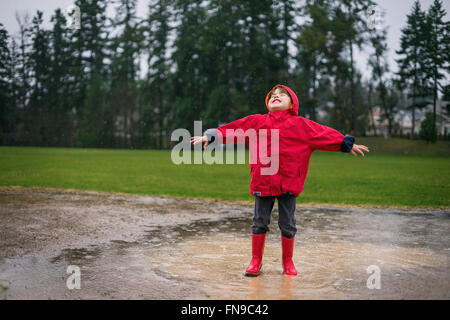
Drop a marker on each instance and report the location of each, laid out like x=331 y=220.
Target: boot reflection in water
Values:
x=286 y=287
x=256 y=291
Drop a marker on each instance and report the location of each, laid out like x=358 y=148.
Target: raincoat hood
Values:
x=294 y=109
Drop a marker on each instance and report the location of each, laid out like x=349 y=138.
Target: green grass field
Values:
x=333 y=178
x=405 y=147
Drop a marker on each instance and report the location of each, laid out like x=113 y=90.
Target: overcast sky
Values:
x=395 y=19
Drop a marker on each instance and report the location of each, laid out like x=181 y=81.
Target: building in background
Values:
x=403 y=120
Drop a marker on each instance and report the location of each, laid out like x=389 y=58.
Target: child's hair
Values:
x=282 y=90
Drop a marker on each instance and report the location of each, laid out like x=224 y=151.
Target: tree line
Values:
x=209 y=60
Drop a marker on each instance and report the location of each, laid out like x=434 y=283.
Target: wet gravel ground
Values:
x=145 y=247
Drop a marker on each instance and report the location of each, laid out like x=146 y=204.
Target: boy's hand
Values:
x=198 y=139
x=359 y=148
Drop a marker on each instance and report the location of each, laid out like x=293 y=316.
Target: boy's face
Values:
x=279 y=100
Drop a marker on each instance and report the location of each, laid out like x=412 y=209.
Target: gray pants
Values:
x=286 y=214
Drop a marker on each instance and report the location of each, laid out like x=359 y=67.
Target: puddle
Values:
x=136 y=247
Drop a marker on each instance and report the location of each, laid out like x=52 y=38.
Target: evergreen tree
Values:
x=354 y=28
x=428 y=130
x=23 y=75
x=158 y=69
x=188 y=78
x=337 y=67
x=263 y=50
x=412 y=70
x=125 y=69
x=96 y=127
x=223 y=61
x=284 y=32
x=90 y=75
x=379 y=69
x=38 y=112
x=311 y=57
x=370 y=94
x=91 y=39
x=61 y=129
x=6 y=106
x=437 y=46
x=390 y=105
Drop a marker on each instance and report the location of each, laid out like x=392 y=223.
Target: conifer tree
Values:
x=158 y=31
x=6 y=105
x=437 y=46
x=411 y=64
x=38 y=119
x=380 y=67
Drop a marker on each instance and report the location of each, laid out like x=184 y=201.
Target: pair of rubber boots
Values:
x=258 y=241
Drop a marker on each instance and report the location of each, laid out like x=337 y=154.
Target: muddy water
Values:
x=139 y=247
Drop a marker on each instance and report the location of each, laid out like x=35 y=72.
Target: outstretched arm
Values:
x=320 y=137
x=212 y=134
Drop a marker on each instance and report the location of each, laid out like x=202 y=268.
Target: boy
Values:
x=298 y=138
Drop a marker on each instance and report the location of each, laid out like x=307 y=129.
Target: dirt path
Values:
x=144 y=247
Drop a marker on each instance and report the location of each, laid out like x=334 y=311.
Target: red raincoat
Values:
x=298 y=138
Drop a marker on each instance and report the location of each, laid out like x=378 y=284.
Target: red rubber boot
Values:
x=255 y=265
x=287 y=246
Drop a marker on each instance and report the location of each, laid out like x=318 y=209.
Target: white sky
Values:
x=395 y=19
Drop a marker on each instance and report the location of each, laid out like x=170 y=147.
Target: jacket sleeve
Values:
x=320 y=137
x=211 y=134
x=234 y=136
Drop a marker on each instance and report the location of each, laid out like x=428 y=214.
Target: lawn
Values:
x=333 y=178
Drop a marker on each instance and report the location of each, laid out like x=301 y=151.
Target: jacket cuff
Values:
x=347 y=143
x=211 y=134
